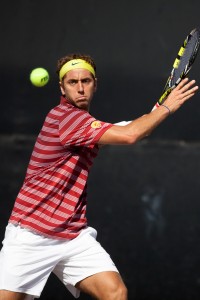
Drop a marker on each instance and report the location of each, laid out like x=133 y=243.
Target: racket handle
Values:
x=155 y=106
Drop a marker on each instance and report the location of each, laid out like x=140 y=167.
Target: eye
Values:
x=72 y=82
x=86 y=80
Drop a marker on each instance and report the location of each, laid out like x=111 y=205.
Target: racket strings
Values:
x=185 y=61
x=182 y=64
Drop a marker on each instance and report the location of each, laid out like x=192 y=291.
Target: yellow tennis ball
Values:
x=39 y=77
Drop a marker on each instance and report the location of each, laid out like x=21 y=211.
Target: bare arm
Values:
x=143 y=126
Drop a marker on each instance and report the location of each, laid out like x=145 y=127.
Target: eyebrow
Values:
x=74 y=79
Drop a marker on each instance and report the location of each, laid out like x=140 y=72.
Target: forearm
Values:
x=143 y=126
x=135 y=130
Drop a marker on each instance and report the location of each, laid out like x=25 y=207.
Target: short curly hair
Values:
x=65 y=59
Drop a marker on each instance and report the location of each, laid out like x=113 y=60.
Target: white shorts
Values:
x=27 y=259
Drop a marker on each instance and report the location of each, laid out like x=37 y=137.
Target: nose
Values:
x=80 y=87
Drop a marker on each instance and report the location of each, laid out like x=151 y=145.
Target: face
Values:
x=78 y=86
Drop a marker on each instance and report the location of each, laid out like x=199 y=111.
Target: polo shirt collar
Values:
x=63 y=100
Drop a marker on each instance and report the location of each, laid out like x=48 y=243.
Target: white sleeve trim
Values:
x=123 y=123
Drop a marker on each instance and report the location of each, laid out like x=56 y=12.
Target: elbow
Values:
x=132 y=139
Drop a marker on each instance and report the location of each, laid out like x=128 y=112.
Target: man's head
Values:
x=77 y=79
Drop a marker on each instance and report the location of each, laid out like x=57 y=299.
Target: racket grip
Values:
x=155 y=106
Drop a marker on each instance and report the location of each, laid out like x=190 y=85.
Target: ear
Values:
x=95 y=84
x=61 y=88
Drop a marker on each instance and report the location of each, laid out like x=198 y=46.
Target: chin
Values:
x=83 y=105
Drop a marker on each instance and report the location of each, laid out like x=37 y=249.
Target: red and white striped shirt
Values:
x=52 y=199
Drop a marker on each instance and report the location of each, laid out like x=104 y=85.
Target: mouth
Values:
x=82 y=102
x=82 y=98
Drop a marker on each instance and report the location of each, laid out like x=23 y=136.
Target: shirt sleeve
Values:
x=79 y=128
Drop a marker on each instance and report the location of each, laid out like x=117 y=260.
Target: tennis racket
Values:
x=182 y=64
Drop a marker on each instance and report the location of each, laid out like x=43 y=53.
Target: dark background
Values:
x=143 y=199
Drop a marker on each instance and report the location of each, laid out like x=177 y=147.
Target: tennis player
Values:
x=48 y=230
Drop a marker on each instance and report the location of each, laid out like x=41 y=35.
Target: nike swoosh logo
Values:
x=75 y=63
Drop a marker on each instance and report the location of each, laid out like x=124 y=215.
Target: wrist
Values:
x=167 y=108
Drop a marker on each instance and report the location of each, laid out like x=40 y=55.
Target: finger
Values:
x=189 y=94
x=188 y=97
x=182 y=83
x=185 y=85
x=188 y=87
x=191 y=91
